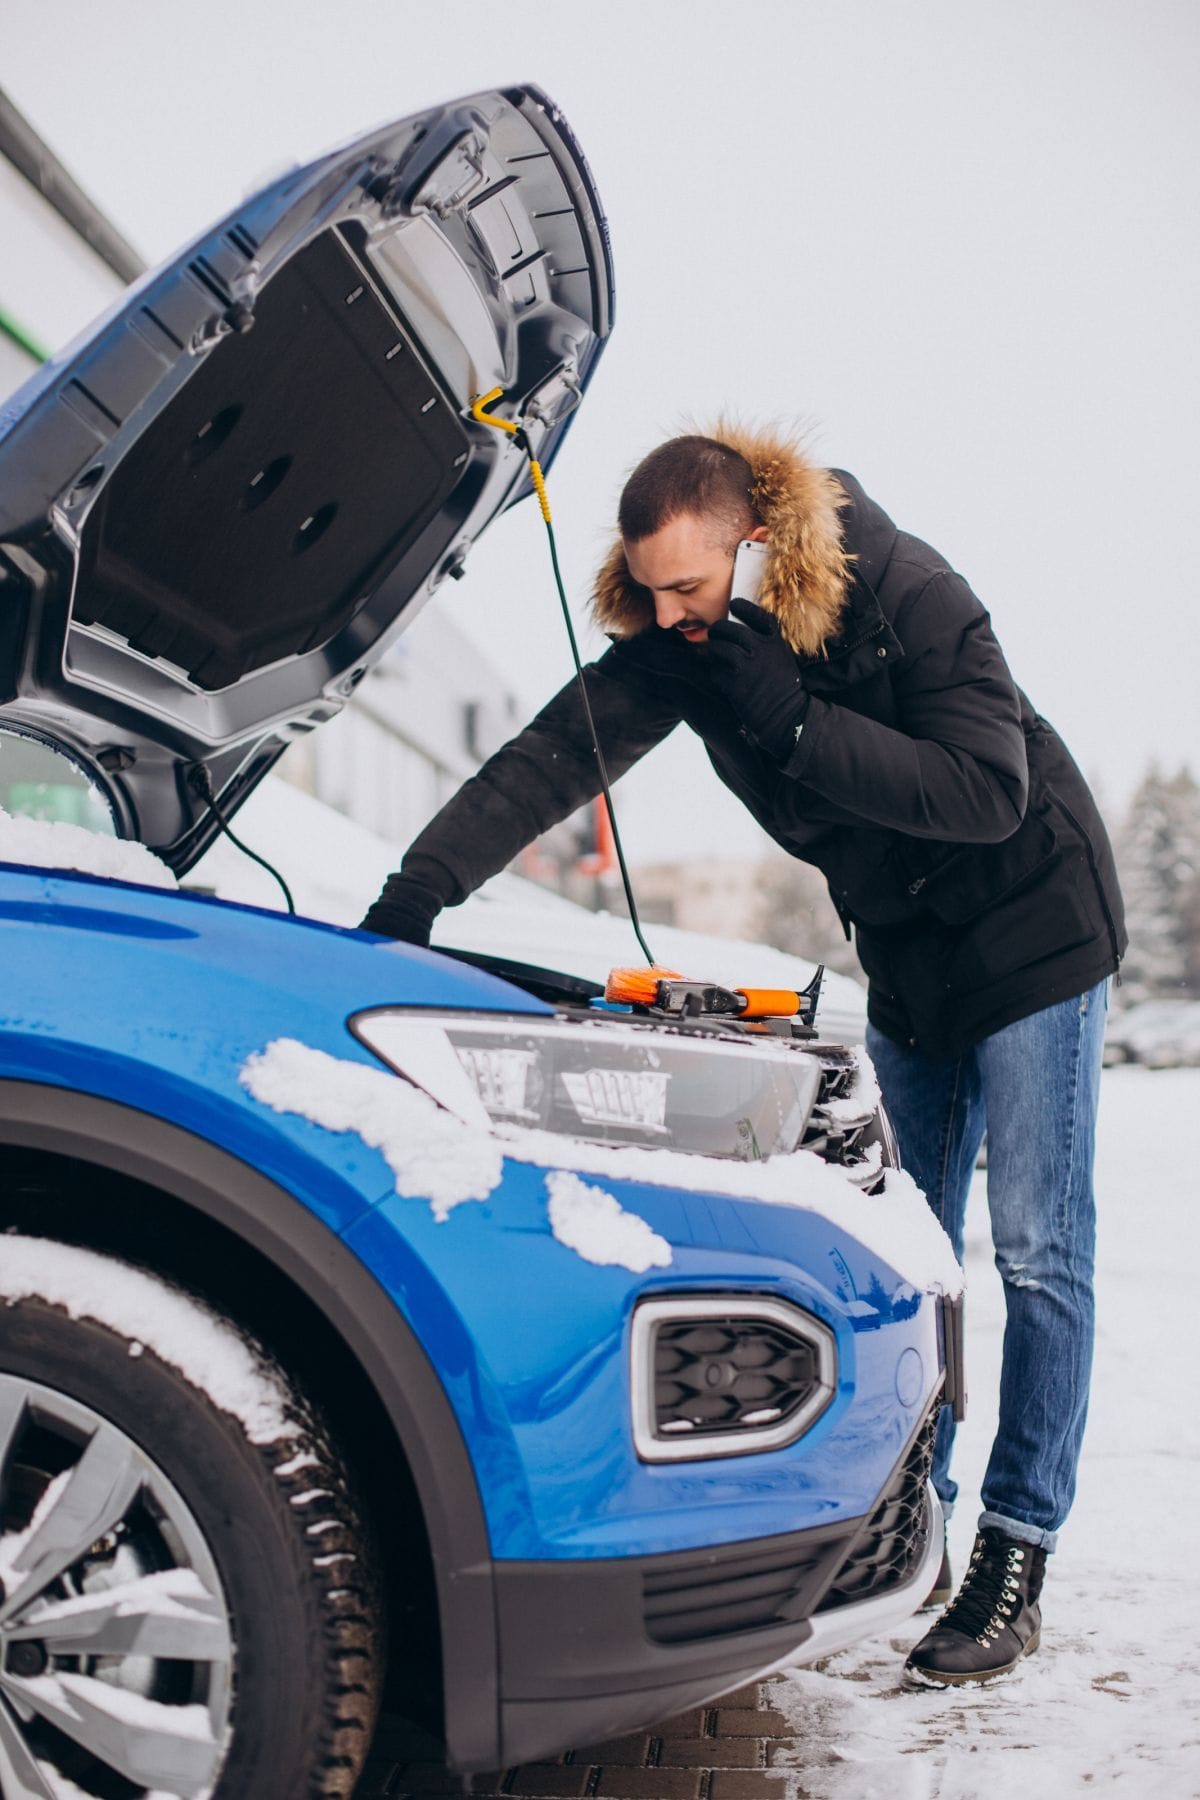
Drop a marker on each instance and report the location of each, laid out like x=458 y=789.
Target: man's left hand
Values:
x=758 y=672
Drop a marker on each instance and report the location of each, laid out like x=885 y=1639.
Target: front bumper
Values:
x=591 y=1650
x=879 y=1613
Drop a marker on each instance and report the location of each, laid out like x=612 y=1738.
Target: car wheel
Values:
x=187 y=1598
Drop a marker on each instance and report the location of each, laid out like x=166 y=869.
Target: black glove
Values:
x=406 y=909
x=759 y=673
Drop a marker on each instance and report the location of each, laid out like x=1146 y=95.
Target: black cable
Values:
x=200 y=782
x=604 y=785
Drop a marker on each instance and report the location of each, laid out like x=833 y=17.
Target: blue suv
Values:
x=382 y=1326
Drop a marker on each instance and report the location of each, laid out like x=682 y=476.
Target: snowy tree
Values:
x=1158 y=856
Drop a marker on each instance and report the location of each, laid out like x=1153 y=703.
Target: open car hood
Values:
x=222 y=504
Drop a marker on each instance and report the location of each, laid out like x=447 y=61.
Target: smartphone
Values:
x=748 y=566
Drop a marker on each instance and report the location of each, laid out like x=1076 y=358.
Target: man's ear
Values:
x=759 y=535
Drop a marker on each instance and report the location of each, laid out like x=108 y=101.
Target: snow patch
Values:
x=438 y=1158
x=160 y=1596
x=135 y=1710
x=593 y=1223
x=180 y=1330
x=305 y=1460
x=1108 y=1705
x=39 y=844
x=13 y=1542
x=432 y=1155
x=863 y=1096
x=897 y=1222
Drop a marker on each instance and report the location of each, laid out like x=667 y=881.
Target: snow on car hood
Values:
x=435 y=1156
x=38 y=844
x=222 y=504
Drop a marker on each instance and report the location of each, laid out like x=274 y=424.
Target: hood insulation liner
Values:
x=259 y=512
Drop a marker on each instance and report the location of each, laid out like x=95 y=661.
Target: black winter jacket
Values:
x=957 y=836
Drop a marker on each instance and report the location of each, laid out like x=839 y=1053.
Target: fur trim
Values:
x=807 y=573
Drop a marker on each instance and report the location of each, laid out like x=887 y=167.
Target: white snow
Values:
x=304 y=1460
x=206 y=1350
x=1111 y=1701
x=135 y=1710
x=161 y=1595
x=13 y=1542
x=863 y=1096
x=431 y=1154
x=39 y=844
x=896 y=1223
x=595 y=1224
x=437 y=1157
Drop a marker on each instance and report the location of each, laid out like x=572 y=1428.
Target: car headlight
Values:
x=609 y=1082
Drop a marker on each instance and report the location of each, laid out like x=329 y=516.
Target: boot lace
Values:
x=990 y=1593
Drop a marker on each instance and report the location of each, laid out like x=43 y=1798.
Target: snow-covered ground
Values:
x=1111 y=1702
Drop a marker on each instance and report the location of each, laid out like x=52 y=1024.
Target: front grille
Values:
x=891 y=1546
x=726 y=1591
x=721 y=1374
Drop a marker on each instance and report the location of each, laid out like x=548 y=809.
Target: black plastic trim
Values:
x=862 y=1530
x=577 y=1662
x=266 y=1216
x=951 y=1341
x=544 y=984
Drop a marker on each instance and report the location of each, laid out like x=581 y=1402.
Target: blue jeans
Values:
x=1034 y=1087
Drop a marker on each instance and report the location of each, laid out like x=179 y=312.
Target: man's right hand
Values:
x=405 y=909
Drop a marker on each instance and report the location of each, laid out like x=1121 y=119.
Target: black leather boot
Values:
x=994 y=1620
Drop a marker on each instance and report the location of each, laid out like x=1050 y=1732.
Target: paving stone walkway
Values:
x=722 y=1752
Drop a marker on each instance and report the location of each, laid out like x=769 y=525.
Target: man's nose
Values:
x=668 y=610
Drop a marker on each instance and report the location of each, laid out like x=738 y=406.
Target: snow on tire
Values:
x=188 y=1603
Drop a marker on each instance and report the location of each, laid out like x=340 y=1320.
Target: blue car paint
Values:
x=548 y=1359
x=214 y=983
x=155 y=999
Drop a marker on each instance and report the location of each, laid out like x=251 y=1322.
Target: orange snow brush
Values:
x=675 y=994
x=638 y=987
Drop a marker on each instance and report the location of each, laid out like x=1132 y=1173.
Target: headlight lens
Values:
x=608 y=1082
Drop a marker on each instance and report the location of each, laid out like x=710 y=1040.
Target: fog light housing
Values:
x=727 y=1375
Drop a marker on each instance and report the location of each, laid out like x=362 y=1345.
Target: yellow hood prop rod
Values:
x=480 y=413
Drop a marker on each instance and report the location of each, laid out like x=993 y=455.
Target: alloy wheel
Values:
x=116 y=1648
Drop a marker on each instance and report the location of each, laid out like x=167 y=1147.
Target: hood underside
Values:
x=223 y=504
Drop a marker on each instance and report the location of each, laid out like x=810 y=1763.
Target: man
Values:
x=866 y=716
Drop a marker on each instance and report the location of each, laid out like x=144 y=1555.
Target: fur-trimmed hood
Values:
x=807 y=575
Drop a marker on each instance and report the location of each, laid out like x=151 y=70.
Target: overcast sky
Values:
x=957 y=242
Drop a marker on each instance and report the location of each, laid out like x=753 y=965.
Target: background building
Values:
x=771 y=899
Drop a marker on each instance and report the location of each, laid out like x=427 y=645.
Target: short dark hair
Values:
x=688 y=475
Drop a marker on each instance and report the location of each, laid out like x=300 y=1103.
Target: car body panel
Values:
x=215 y=984
x=206 y=1180
x=219 y=983
x=554 y=1488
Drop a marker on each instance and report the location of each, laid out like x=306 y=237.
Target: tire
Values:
x=156 y=1451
